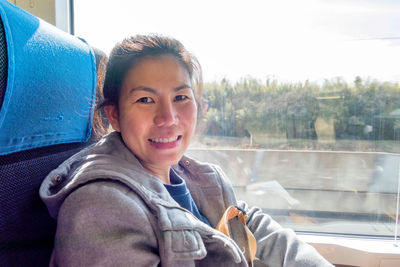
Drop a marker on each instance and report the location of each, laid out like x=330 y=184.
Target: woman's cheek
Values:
x=190 y=113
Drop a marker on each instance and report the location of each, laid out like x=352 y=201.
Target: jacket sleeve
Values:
x=277 y=246
x=104 y=224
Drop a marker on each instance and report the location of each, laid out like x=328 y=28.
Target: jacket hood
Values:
x=108 y=159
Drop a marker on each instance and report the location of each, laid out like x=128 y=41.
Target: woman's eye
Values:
x=145 y=100
x=180 y=97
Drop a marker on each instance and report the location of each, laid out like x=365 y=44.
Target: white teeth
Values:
x=164 y=140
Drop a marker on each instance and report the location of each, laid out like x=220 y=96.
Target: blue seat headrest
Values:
x=51 y=84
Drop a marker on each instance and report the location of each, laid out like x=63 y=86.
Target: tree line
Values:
x=363 y=110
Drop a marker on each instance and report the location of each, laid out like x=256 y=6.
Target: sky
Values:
x=287 y=40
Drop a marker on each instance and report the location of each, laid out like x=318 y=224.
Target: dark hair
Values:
x=130 y=51
x=100 y=122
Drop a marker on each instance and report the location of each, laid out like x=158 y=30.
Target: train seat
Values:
x=48 y=84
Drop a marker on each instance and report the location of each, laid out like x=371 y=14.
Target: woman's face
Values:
x=157 y=111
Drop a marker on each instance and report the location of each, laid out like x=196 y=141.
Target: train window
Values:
x=301 y=101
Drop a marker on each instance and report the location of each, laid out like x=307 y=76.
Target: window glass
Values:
x=301 y=100
x=316 y=159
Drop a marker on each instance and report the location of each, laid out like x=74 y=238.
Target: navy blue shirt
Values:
x=180 y=193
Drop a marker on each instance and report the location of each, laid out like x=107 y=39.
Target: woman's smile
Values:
x=165 y=143
x=165 y=139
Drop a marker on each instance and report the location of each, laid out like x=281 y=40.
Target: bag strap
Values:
x=223 y=226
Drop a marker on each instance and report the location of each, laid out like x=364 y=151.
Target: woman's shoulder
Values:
x=106 y=195
x=100 y=199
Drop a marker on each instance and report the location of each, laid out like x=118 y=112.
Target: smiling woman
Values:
x=136 y=193
x=156 y=110
x=300 y=104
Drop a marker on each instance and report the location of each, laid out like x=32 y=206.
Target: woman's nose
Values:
x=166 y=115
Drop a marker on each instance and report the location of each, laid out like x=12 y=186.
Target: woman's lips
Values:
x=164 y=140
x=165 y=143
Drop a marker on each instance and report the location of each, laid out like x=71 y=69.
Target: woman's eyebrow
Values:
x=184 y=86
x=143 y=88
x=154 y=91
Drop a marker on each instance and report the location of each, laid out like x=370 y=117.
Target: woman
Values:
x=134 y=199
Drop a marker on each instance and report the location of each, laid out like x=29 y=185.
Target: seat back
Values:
x=47 y=94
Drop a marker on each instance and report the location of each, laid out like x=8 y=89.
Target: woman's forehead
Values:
x=161 y=60
x=157 y=71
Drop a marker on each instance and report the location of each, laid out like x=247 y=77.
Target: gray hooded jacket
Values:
x=111 y=212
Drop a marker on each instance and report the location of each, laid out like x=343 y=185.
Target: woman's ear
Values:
x=112 y=115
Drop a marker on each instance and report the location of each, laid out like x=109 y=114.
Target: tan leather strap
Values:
x=223 y=227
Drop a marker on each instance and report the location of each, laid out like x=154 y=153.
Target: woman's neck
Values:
x=161 y=173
